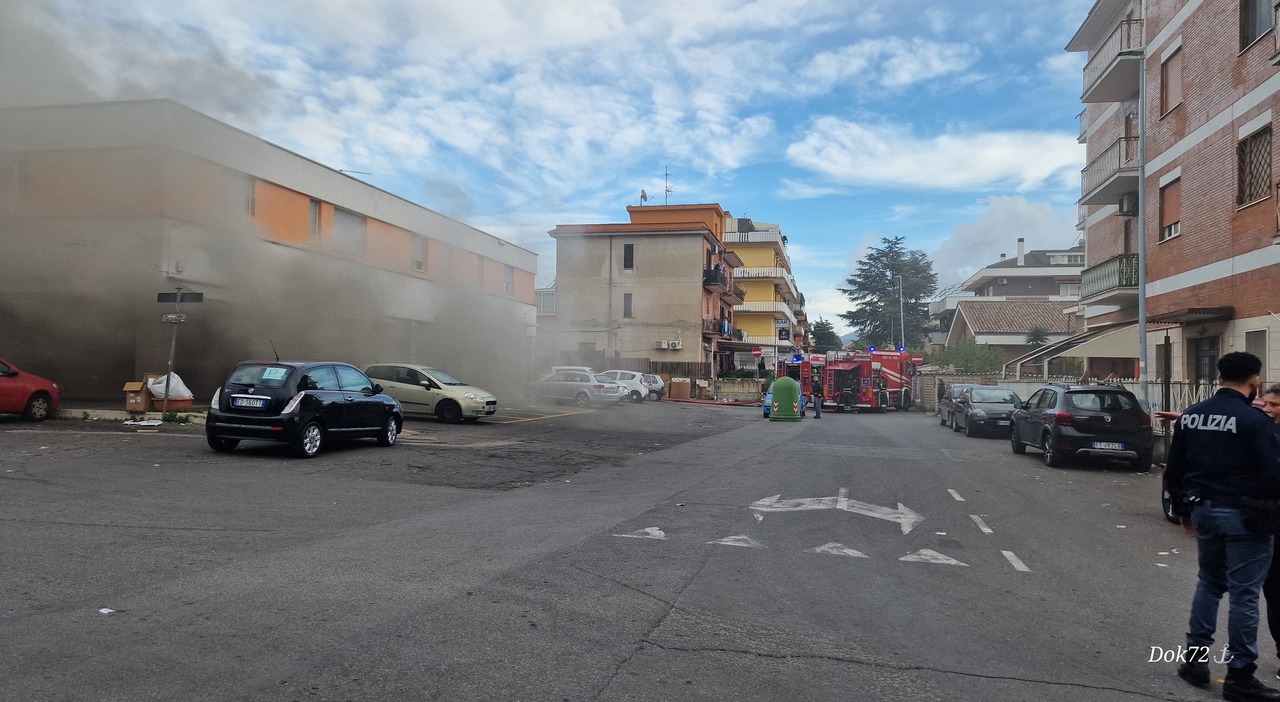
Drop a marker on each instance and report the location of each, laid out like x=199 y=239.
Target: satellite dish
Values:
x=644 y=197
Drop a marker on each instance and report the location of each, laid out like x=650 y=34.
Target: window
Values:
x=353 y=380
x=1075 y=259
x=349 y=231
x=1171 y=82
x=1253 y=156
x=324 y=378
x=1069 y=289
x=626 y=305
x=313 y=226
x=419 y=260
x=1204 y=353
x=546 y=300
x=508 y=280
x=628 y=257
x=1255 y=21
x=1171 y=210
x=1255 y=342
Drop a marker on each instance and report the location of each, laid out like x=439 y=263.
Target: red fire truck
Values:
x=868 y=380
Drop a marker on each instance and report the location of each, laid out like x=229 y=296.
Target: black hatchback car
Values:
x=1095 y=421
x=303 y=404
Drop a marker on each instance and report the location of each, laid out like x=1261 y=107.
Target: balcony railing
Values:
x=1083 y=118
x=1082 y=216
x=715 y=279
x=735 y=292
x=722 y=328
x=1120 y=156
x=1113 y=274
x=1125 y=41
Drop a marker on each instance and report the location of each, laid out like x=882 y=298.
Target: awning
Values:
x=1194 y=315
x=1119 y=340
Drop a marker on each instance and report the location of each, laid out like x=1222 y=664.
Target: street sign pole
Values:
x=173 y=348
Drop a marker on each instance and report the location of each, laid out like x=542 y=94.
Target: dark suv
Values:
x=1098 y=421
x=301 y=404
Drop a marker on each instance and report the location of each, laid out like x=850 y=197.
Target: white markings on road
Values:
x=903 y=515
x=740 y=540
x=981 y=524
x=956 y=495
x=836 y=548
x=759 y=517
x=1016 y=562
x=927 y=555
x=646 y=533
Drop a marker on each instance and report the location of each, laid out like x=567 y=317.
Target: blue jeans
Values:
x=1234 y=561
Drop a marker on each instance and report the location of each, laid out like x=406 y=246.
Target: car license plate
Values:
x=1002 y=422
x=258 y=402
x=1108 y=445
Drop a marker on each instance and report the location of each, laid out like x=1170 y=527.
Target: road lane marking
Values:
x=981 y=524
x=928 y=555
x=835 y=548
x=538 y=419
x=906 y=517
x=1016 y=562
x=740 y=540
x=956 y=495
x=646 y=533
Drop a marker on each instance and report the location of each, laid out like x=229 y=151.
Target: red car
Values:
x=29 y=395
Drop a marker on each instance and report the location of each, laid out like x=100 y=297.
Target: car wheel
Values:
x=449 y=412
x=310 y=440
x=904 y=401
x=1141 y=464
x=390 y=431
x=1166 y=503
x=969 y=430
x=1052 y=458
x=582 y=399
x=1015 y=443
x=38 y=407
x=636 y=396
x=222 y=445
x=654 y=396
x=954 y=427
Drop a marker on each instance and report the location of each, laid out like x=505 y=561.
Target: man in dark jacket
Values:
x=1223 y=452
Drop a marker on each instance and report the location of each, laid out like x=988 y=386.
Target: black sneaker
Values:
x=1195 y=673
x=1250 y=689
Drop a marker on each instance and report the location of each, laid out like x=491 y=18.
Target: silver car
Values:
x=583 y=389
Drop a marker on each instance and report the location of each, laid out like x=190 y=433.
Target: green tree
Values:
x=824 y=337
x=1037 y=336
x=969 y=357
x=873 y=290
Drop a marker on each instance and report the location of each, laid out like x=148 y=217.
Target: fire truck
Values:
x=867 y=380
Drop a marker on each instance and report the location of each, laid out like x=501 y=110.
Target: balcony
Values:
x=1112 y=282
x=721 y=328
x=1083 y=118
x=778 y=310
x=769 y=273
x=1113 y=173
x=1111 y=75
x=1082 y=216
x=715 y=280
x=735 y=295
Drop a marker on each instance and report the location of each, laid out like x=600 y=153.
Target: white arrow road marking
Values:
x=903 y=515
x=926 y=555
x=773 y=504
x=646 y=533
x=836 y=548
x=1016 y=562
x=981 y=524
x=744 y=541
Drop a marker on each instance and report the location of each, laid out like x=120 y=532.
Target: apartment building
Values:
x=105 y=205
x=772 y=316
x=1202 y=156
x=658 y=290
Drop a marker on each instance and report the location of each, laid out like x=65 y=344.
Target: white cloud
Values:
x=995 y=230
x=892 y=63
x=851 y=153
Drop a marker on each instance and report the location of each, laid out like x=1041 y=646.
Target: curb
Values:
x=193 y=416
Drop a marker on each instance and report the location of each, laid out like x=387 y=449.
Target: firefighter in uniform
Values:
x=1224 y=460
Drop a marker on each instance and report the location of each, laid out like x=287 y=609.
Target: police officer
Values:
x=1223 y=451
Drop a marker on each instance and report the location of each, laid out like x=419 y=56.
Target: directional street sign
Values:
x=180 y=297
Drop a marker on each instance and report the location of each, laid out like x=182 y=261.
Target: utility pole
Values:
x=902 y=315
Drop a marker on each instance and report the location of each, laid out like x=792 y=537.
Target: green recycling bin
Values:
x=786 y=401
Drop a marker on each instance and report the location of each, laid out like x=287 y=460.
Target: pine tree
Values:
x=873 y=290
x=824 y=337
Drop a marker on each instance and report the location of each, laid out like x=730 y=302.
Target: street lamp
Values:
x=902 y=315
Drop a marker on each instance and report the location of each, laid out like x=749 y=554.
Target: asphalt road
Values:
x=635 y=553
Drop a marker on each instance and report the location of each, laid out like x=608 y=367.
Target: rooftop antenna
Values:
x=343 y=170
x=667 y=190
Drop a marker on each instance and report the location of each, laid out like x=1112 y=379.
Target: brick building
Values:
x=1210 y=215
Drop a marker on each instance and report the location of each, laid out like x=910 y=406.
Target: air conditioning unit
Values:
x=677 y=345
x=1128 y=205
x=661 y=344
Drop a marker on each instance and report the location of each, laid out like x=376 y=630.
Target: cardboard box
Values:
x=136 y=397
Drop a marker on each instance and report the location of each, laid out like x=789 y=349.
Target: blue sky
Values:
x=951 y=123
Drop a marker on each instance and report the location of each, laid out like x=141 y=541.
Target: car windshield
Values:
x=264 y=375
x=442 y=377
x=606 y=380
x=1102 y=401
x=995 y=396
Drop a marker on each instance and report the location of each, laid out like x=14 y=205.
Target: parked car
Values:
x=632 y=383
x=984 y=408
x=947 y=405
x=584 y=369
x=303 y=404
x=1087 y=421
x=33 y=397
x=657 y=386
x=584 y=389
x=423 y=390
